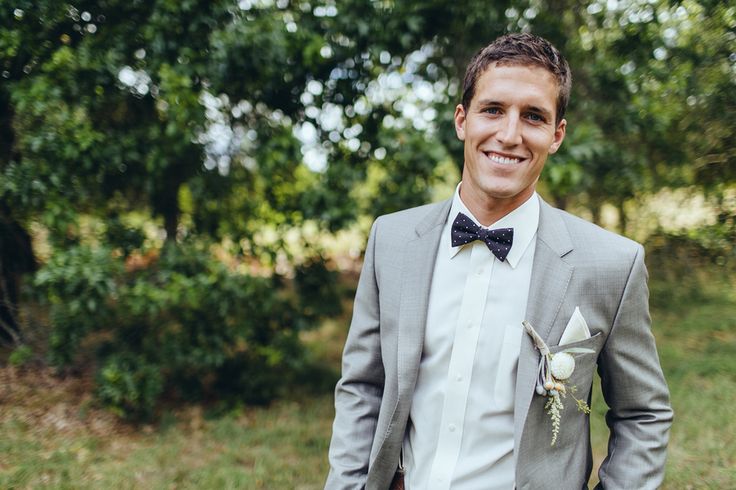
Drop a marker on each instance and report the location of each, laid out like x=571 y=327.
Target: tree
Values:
x=219 y=119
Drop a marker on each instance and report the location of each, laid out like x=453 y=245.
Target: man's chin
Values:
x=503 y=194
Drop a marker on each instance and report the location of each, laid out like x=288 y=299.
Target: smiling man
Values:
x=441 y=386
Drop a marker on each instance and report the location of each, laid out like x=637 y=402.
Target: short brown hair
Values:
x=520 y=49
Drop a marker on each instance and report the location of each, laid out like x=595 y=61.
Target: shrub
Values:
x=184 y=326
x=20 y=356
x=708 y=244
x=129 y=385
x=80 y=284
x=318 y=287
x=686 y=262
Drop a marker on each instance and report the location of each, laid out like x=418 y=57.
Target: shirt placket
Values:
x=457 y=384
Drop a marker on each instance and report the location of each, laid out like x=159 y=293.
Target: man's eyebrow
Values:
x=489 y=102
x=540 y=110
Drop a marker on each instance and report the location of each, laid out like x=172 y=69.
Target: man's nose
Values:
x=510 y=131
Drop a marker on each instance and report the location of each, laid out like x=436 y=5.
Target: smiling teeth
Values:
x=503 y=160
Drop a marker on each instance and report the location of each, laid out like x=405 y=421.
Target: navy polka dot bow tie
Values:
x=464 y=230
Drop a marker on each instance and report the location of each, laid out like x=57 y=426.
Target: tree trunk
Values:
x=560 y=202
x=623 y=220
x=166 y=204
x=595 y=212
x=16 y=259
x=171 y=224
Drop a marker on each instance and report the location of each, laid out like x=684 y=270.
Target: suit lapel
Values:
x=551 y=275
x=419 y=259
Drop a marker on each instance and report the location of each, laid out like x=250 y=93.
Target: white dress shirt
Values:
x=461 y=426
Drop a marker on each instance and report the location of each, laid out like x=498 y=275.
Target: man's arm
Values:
x=635 y=390
x=360 y=389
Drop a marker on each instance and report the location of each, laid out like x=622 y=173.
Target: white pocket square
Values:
x=576 y=329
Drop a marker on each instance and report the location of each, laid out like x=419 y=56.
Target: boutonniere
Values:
x=552 y=378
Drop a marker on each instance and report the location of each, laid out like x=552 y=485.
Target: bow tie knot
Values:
x=499 y=241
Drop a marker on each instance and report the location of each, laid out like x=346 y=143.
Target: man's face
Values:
x=508 y=130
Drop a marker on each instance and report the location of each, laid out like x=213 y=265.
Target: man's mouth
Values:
x=503 y=160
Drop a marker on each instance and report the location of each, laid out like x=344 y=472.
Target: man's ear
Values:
x=559 y=136
x=460 y=122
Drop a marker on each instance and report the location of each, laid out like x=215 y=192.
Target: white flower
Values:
x=562 y=365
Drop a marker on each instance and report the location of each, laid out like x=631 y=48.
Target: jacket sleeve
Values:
x=639 y=415
x=360 y=389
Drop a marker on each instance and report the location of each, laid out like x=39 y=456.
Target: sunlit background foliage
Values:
x=174 y=175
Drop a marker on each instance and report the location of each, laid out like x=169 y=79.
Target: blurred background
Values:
x=186 y=189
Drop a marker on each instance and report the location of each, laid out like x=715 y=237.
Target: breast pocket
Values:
x=585 y=363
x=503 y=391
x=589 y=343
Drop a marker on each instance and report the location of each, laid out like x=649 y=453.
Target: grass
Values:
x=54 y=437
x=698 y=352
x=280 y=447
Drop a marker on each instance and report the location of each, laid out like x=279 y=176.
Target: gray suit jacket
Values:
x=576 y=264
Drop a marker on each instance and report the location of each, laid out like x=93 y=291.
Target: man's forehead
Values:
x=543 y=82
x=504 y=63
x=541 y=76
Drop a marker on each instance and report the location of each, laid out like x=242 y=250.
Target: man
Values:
x=439 y=377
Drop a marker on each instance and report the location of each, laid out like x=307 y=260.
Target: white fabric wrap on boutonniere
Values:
x=555 y=369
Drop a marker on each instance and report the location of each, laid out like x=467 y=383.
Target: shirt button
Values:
x=451 y=427
x=479 y=272
x=459 y=377
x=470 y=324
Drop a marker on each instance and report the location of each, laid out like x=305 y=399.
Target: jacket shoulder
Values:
x=418 y=218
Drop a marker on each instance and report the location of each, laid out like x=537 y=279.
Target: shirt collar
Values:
x=524 y=220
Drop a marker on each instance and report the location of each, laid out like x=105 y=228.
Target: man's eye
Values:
x=491 y=110
x=533 y=116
